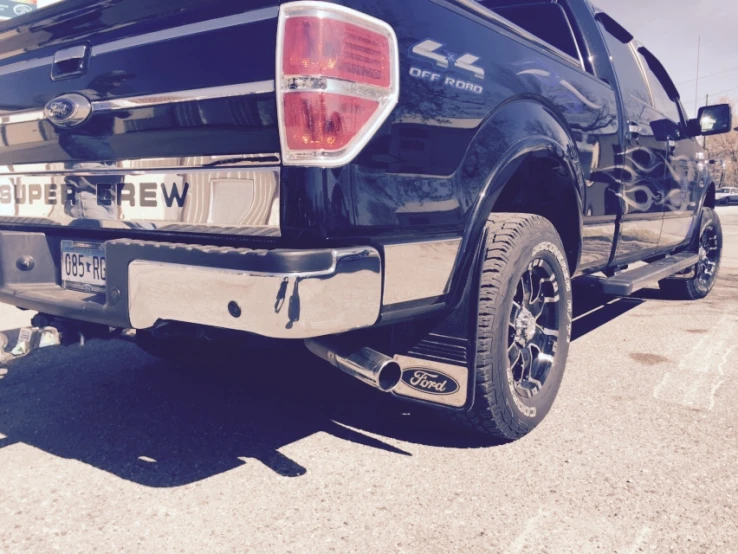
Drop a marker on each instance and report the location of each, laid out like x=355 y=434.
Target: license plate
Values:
x=83 y=266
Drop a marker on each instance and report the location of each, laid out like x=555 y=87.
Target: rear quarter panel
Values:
x=427 y=167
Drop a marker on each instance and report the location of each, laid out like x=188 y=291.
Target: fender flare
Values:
x=498 y=176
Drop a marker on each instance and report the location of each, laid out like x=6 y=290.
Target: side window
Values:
x=546 y=20
x=636 y=95
x=661 y=99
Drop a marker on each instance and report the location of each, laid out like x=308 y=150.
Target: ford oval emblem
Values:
x=431 y=382
x=68 y=110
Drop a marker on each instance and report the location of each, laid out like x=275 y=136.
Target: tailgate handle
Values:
x=70 y=62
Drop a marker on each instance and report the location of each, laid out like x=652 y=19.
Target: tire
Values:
x=506 y=405
x=709 y=243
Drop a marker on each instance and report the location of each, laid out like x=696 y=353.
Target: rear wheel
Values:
x=523 y=326
x=709 y=244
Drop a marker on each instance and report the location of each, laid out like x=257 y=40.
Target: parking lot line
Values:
x=704 y=370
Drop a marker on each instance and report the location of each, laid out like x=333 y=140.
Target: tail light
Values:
x=337 y=81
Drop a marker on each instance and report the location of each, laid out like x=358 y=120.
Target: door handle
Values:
x=70 y=62
x=634 y=129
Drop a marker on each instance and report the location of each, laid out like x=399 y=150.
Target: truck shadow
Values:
x=592 y=310
x=110 y=405
x=114 y=407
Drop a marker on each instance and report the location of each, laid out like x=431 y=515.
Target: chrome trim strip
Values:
x=187 y=30
x=301 y=83
x=23 y=66
x=418 y=270
x=22 y=117
x=139 y=197
x=144 y=165
x=285 y=305
x=159 y=99
x=193 y=95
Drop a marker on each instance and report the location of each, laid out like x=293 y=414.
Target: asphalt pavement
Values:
x=106 y=449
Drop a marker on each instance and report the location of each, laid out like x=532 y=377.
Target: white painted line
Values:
x=704 y=370
x=554 y=529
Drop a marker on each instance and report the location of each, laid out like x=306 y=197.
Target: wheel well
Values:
x=710 y=196
x=544 y=186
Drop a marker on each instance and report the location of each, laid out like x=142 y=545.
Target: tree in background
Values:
x=725 y=147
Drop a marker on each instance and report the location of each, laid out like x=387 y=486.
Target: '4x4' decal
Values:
x=429 y=49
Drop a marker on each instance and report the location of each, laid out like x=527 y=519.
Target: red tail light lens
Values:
x=324 y=121
x=332 y=48
x=337 y=81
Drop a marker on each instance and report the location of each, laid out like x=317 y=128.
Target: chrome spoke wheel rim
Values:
x=709 y=253
x=533 y=328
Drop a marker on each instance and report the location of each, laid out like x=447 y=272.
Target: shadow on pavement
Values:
x=592 y=309
x=110 y=405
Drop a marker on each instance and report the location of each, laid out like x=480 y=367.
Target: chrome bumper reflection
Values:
x=207 y=194
x=344 y=296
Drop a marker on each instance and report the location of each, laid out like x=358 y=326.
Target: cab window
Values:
x=661 y=100
x=546 y=20
x=636 y=95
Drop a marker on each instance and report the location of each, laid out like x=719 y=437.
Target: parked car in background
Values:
x=726 y=196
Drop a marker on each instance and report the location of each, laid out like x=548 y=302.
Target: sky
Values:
x=670 y=29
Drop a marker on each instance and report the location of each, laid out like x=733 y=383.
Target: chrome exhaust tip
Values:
x=365 y=364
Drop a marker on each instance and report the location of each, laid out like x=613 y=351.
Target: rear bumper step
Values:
x=293 y=294
x=628 y=282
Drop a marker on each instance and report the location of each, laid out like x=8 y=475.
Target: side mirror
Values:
x=712 y=120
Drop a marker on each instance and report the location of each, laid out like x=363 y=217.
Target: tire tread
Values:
x=487 y=415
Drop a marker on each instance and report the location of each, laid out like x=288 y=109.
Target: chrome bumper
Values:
x=278 y=293
x=343 y=295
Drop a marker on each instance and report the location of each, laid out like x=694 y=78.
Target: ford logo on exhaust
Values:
x=431 y=382
x=68 y=110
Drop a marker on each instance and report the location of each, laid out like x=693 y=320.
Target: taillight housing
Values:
x=337 y=81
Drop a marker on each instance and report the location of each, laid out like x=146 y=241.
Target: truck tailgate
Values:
x=141 y=50
x=182 y=127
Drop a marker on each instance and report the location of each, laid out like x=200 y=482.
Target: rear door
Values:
x=643 y=177
x=686 y=176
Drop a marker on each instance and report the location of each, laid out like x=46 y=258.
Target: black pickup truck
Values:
x=407 y=186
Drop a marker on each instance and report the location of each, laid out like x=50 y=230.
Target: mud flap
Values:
x=433 y=381
x=438 y=356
